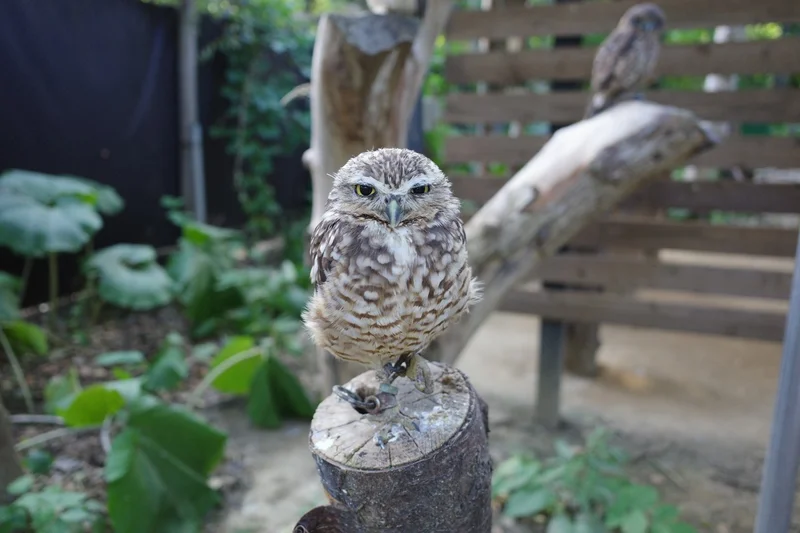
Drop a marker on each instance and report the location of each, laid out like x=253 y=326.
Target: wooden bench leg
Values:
x=551 y=363
x=581 y=342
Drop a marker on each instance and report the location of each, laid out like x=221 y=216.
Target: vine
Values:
x=268 y=51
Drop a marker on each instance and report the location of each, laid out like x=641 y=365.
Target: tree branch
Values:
x=582 y=172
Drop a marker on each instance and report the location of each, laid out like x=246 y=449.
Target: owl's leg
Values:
x=414 y=367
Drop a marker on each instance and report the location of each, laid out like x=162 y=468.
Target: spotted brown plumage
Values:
x=388 y=261
x=626 y=61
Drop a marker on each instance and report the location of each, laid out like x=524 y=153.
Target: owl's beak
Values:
x=394 y=213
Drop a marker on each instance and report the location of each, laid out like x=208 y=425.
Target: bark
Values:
x=10 y=467
x=436 y=478
x=584 y=171
x=367 y=71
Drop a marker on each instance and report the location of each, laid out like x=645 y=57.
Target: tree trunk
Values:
x=10 y=468
x=582 y=172
x=367 y=72
x=383 y=477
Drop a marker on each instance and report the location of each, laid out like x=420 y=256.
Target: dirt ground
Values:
x=694 y=411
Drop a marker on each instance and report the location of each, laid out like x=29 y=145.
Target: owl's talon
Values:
x=418 y=368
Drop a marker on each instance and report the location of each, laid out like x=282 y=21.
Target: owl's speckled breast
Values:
x=392 y=293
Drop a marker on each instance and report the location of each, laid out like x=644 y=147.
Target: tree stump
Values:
x=435 y=479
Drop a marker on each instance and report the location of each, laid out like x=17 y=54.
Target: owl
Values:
x=626 y=60
x=388 y=264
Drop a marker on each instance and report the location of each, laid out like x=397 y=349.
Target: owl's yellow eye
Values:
x=365 y=190
x=422 y=189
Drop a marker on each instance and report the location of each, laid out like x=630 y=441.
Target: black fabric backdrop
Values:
x=89 y=87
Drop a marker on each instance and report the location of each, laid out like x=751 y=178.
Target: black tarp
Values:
x=90 y=88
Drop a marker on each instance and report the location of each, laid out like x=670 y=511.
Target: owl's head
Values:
x=646 y=18
x=393 y=186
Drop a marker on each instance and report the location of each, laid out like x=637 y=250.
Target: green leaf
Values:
x=560 y=523
x=129 y=388
x=130 y=277
x=61 y=390
x=564 y=450
x=634 y=522
x=169 y=367
x=261 y=405
x=109 y=202
x=665 y=513
x=34 y=229
x=120 y=358
x=587 y=523
x=289 y=394
x=514 y=473
x=9 y=297
x=682 y=527
x=529 y=502
x=157 y=469
x=238 y=378
x=21 y=485
x=205 y=351
x=26 y=337
x=630 y=498
x=92 y=406
x=38 y=461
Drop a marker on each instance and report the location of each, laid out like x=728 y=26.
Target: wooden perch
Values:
x=366 y=74
x=435 y=479
x=10 y=468
x=582 y=172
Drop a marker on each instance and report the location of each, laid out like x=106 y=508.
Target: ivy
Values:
x=268 y=51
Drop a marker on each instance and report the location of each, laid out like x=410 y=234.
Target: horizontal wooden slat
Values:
x=601 y=17
x=614 y=309
x=621 y=271
x=735 y=196
x=751 y=151
x=634 y=233
x=779 y=56
x=741 y=106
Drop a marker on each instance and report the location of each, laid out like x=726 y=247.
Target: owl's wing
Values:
x=607 y=62
x=321 y=249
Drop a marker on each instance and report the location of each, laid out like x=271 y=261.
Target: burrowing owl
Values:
x=389 y=263
x=627 y=58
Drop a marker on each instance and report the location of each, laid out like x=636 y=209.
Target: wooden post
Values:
x=367 y=72
x=436 y=478
x=10 y=468
x=582 y=172
x=191 y=133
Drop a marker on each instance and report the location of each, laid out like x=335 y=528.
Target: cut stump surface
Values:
x=396 y=478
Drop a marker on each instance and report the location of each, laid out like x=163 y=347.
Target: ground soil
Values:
x=693 y=411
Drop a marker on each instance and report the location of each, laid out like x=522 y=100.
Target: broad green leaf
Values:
x=157 y=469
x=129 y=388
x=514 y=473
x=130 y=277
x=635 y=522
x=205 y=351
x=26 y=337
x=38 y=461
x=179 y=432
x=92 y=406
x=237 y=379
x=288 y=392
x=682 y=527
x=587 y=523
x=9 y=297
x=13 y=519
x=109 y=202
x=169 y=367
x=630 y=498
x=665 y=513
x=529 y=502
x=21 y=485
x=61 y=390
x=120 y=358
x=560 y=523
x=261 y=405
x=565 y=450
x=35 y=229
